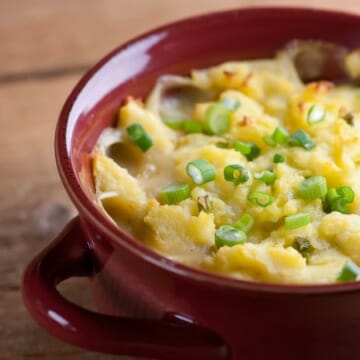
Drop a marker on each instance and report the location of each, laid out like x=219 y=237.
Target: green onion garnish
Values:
x=268 y=177
x=339 y=204
x=230 y=103
x=260 y=198
x=278 y=158
x=314 y=187
x=192 y=126
x=174 y=193
x=201 y=171
x=204 y=203
x=173 y=123
x=139 y=136
x=223 y=144
x=217 y=119
x=236 y=174
x=303 y=246
x=302 y=139
x=349 y=272
x=346 y=193
x=280 y=135
x=316 y=114
x=249 y=149
x=245 y=223
x=297 y=220
x=227 y=235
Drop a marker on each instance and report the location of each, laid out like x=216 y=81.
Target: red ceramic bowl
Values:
x=151 y=306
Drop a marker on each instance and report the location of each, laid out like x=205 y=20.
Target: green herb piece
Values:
x=201 y=171
x=236 y=174
x=227 y=235
x=174 y=193
x=297 y=220
x=217 y=120
x=260 y=198
x=245 y=223
x=139 y=137
x=349 y=272
x=314 y=187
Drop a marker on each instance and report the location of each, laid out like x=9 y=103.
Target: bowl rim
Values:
x=112 y=232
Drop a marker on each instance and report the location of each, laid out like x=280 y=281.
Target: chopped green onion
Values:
x=297 y=220
x=279 y=136
x=349 y=272
x=236 y=174
x=192 y=126
x=303 y=246
x=339 y=204
x=249 y=149
x=316 y=114
x=223 y=144
x=174 y=193
x=346 y=193
x=314 y=187
x=204 y=203
x=139 y=136
x=268 y=177
x=278 y=158
x=302 y=139
x=227 y=235
x=217 y=119
x=268 y=140
x=231 y=104
x=201 y=171
x=245 y=223
x=173 y=123
x=260 y=198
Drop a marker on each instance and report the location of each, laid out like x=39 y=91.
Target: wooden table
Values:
x=45 y=46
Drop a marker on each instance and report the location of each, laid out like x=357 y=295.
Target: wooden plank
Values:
x=33 y=209
x=51 y=34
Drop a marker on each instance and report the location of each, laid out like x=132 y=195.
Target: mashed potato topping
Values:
x=240 y=169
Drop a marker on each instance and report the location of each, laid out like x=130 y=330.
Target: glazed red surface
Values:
x=254 y=320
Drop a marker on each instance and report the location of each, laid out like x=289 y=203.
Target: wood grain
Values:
x=45 y=47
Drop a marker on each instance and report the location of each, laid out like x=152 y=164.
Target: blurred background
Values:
x=45 y=47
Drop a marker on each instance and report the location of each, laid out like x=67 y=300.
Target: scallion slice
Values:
x=316 y=114
x=139 y=136
x=223 y=144
x=201 y=171
x=174 y=123
x=236 y=174
x=230 y=103
x=245 y=223
x=314 y=187
x=268 y=177
x=302 y=139
x=279 y=136
x=260 y=198
x=339 y=204
x=249 y=149
x=192 y=126
x=349 y=272
x=217 y=119
x=297 y=220
x=346 y=193
x=278 y=158
x=227 y=235
x=174 y=193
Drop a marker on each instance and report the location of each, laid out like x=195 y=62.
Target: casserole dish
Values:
x=151 y=306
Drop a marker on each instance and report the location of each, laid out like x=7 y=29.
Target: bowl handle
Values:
x=69 y=255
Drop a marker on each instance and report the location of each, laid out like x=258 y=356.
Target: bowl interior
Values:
x=133 y=68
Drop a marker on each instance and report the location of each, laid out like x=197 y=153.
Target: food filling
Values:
x=248 y=169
